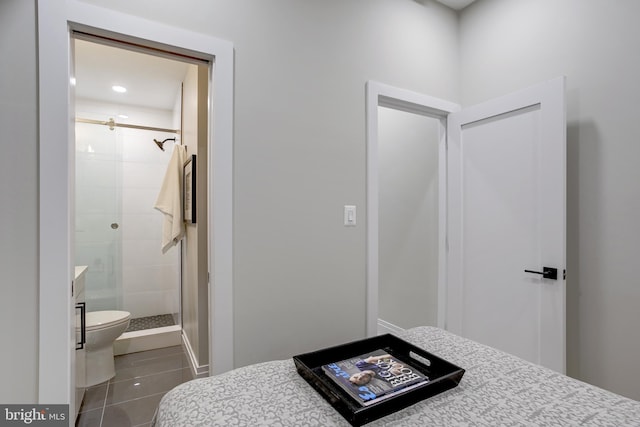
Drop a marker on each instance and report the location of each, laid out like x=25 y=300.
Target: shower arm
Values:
x=160 y=144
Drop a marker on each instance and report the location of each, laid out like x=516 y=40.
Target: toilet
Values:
x=102 y=329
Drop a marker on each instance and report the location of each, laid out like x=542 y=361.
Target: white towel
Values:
x=169 y=201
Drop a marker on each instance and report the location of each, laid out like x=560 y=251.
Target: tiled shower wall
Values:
x=127 y=269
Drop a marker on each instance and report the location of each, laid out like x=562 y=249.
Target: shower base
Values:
x=148 y=339
x=150 y=322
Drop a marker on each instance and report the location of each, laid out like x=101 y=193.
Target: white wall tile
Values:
x=124 y=192
x=154 y=277
x=143 y=175
x=141 y=226
x=149 y=303
x=139 y=200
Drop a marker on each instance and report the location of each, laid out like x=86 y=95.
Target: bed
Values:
x=497 y=389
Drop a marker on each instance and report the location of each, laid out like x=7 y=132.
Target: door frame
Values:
x=383 y=95
x=56 y=178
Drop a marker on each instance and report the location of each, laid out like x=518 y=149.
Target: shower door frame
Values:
x=56 y=377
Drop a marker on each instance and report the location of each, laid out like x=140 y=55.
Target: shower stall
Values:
x=119 y=172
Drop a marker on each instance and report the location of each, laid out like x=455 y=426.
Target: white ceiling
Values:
x=151 y=81
x=456 y=4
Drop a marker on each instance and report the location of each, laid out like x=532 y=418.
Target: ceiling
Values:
x=151 y=81
x=456 y=4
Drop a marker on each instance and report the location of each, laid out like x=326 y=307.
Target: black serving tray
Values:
x=442 y=375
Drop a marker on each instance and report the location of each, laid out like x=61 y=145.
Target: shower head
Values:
x=160 y=144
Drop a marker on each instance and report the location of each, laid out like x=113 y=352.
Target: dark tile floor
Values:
x=131 y=397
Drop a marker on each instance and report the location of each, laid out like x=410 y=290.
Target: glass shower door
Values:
x=98 y=236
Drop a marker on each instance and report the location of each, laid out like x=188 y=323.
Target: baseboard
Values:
x=385 y=327
x=197 y=370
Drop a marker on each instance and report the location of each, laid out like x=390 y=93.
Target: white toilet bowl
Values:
x=103 y=327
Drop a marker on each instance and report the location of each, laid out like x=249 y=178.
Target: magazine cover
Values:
x=374 y=376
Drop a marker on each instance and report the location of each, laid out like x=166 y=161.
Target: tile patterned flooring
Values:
x=131 y=397
x=150 y=322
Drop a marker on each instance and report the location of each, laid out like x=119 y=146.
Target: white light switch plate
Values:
x=349 y=216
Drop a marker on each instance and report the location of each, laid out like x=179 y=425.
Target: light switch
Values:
x=349 y=216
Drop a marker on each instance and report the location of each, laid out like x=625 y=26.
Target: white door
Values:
x=506 y=214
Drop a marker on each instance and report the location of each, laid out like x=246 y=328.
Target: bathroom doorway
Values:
x=56 y=26
x=130 y=115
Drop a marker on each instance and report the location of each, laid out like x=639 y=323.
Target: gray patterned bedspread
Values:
x=497 y=390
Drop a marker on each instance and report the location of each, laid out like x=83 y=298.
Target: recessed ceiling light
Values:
x=119 y=89
x=123 y=116
x=72 y=80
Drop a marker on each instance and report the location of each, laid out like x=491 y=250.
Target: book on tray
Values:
x=374 y=376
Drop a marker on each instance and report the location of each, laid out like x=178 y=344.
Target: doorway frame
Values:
x=56 y=177
x=383 y=95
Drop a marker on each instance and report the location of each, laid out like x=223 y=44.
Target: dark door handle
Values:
x=83 y=325
x=547 y=273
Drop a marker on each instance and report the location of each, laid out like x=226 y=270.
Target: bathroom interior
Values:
x=132 y=107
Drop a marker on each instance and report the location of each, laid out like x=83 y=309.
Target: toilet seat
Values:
x=103 y=319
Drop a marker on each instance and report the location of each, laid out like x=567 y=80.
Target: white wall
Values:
x=506 y=45
x=299 y=149
x=19 y=206
x=408 y=155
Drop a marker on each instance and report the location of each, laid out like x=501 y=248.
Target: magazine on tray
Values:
x=374 y=376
